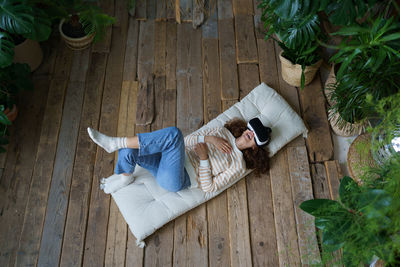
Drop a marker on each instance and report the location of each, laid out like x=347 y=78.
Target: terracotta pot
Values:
x=291 y=73
x=29 y=52
x=11 y=114
x=76 y=43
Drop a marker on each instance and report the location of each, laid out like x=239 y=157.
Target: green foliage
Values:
x=369 y=65
x=22 y=18
x=13 y=79
x=92 y=18
x=353 y=10
x=296 y=24
x=364 y=222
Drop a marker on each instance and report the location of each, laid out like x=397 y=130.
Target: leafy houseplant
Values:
x=296 y=24
x=364 y=222
x=369 y=63
x=20 y=20
x=13 y=79
x=81 y=22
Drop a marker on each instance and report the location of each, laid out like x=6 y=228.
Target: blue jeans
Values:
x=162 y=153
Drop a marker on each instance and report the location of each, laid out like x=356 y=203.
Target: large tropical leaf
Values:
x=324 y=208
x=349 y=192
x=6 y=50
x=345 y=12
x=16 y=17
x=41 y=26
x=94 y=21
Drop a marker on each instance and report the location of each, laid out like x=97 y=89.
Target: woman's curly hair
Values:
x=257 y=158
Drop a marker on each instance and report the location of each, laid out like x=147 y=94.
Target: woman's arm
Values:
x=209 y=136
x=207 y=182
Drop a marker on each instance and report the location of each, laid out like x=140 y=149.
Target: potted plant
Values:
x=82 y=22
x=22 y=25
x=13 y=79
x=367 y=62
x=297 y=29
x=364 y=221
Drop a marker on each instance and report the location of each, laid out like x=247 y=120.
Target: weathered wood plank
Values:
x=186 y=9
x=217 y=210
x=96 y=235
x=261 y=219
x=189 y=79
x=285 y=225
x=141 y=10
x=171 y=10
x=267 y=63
x=210 y=26
x=319 y=141
x=300 y=179
x=75 y=226
x=146 y=49
x=170 y=61
x=243 y=7
x=198 y=13
x=103 y=46
x=177 y=11
x=246 y=47
x=117 y=227
x=190 y=242
x=159 y=247
x=17 y=175
x=228 y=68
x=131 y=51
x=159 y=104
x=35 y=211
x=160 y=48
x=239 y=225
x=225 y=9
x=218 y=234
x=53 y=230
x=41 y=177
x=248 y=78
x=226 y=104
x=145 y=111
x=169 y=108
x=258 y=24
x=161 y=10
x=151 y=9
x=334 y=176
x=320 y=181
x=134 y=254
x=211 y=79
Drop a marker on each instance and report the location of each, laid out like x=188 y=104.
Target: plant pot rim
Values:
x=71 y=38
x=319 y=62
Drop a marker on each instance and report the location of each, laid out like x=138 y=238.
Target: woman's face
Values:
x=246 y=140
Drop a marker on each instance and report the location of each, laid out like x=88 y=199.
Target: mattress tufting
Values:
x=146 y=206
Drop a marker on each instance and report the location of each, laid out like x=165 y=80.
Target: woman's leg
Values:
x=171 y=174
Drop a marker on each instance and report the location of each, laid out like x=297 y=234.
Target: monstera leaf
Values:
x=6 y=50
x=16 y=18
x=345 y=12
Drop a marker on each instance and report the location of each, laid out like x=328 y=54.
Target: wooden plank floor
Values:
x=52 y=212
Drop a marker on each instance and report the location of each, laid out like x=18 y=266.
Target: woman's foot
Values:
x=115 y=182
x=110 y=144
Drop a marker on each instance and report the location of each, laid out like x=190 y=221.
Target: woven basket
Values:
x=328 y=85
x=344 y=128
x=76 y=43
x=291 y=73
x=358 y=160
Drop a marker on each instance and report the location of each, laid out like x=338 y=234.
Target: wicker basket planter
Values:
x=291 y=73
x=76 y=43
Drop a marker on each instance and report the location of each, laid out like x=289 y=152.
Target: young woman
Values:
x=218 y=155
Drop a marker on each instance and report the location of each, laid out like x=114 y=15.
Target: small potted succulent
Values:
x=82 y=22
x=22 y=25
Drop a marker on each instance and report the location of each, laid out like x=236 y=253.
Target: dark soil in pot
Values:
x=73 y=28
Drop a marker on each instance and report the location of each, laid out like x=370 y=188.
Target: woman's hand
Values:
x=220 y=143
x=201 y=151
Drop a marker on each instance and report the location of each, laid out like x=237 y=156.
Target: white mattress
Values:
x=146 y=206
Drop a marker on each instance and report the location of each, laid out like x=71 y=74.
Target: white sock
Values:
x=117 y=182
x=110 y=144
x=110 y=179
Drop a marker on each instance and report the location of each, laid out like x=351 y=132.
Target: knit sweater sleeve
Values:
x=198 y=137
x=210 y=183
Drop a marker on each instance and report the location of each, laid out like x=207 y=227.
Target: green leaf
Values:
x=6 y=50
x=4 y=119
x=41 y=29
x=349 y=192
x=16 y=17
x=324 y=208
